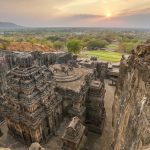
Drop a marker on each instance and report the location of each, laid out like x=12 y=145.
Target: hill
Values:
x=9 y=25
x=28 y=47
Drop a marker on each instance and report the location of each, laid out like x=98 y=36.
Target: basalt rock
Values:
x=41 y=58
x=37 y=99
x=95 y=110
x=74 y=136
x=29 y=102
x=36 y=146
x=131 y=108
x=100 y=67
x=3 y=70
x=3 y=82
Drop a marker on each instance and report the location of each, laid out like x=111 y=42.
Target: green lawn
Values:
x=112 y=46
x=103 y=55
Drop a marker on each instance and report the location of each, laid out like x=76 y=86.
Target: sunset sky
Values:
x=76 y=13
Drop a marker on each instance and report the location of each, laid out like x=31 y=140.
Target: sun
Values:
x=108 y=15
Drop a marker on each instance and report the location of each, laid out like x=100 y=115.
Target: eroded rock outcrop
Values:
x=28 y=47
x=131 y=108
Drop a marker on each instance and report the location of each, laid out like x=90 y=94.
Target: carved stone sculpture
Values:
x=31 y=107
x=74 y=135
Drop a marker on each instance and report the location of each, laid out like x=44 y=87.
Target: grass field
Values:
x=112 y=46
x=103 y=55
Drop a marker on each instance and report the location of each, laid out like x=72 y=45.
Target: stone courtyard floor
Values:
x=95 y=142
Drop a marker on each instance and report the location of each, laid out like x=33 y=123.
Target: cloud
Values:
x=76 y=12
x=136 y=20
x=75 y=20
x=133 y=19
x=84 y=17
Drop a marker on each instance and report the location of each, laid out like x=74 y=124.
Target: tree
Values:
x=4 y=43
x=126 y=46
x=32 y=40
x=54 y=38
x=46 y=42
x=58 y=45
x=20 y=40
x=74 y=46
x=96 y=44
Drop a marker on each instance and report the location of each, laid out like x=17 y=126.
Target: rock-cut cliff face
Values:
x=131 y=107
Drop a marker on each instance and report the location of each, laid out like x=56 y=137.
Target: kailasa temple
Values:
x=38 y=97
x=54 y=101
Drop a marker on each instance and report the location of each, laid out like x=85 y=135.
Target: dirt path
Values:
x=104 y=142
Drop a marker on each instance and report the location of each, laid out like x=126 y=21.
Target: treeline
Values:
x=75 y=42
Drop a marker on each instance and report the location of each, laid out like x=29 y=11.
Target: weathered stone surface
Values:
x=131 y=108
x=74 y=135
x=3 y=82
x=95 y=111
x=82 y=95
x=41 y=58
x=36 y=146
x=73 y=87
x=3 y=71
x=101 y=68
x=34 y=106
x=29 y=102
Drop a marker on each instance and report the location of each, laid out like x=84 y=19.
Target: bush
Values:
x=126 y=46
x=58 y=45
x=96 y=44
x=74 y=46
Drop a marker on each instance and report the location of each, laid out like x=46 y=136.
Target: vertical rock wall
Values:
x=131 y=108
x=3 y=70
x=41 y=58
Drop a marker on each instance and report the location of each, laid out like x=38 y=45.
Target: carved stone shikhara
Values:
x=31 y=108
x=95 y=111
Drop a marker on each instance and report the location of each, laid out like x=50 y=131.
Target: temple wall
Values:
x=40 y=58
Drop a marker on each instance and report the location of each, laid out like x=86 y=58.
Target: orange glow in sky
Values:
x=76 y=12
x=108 y=15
